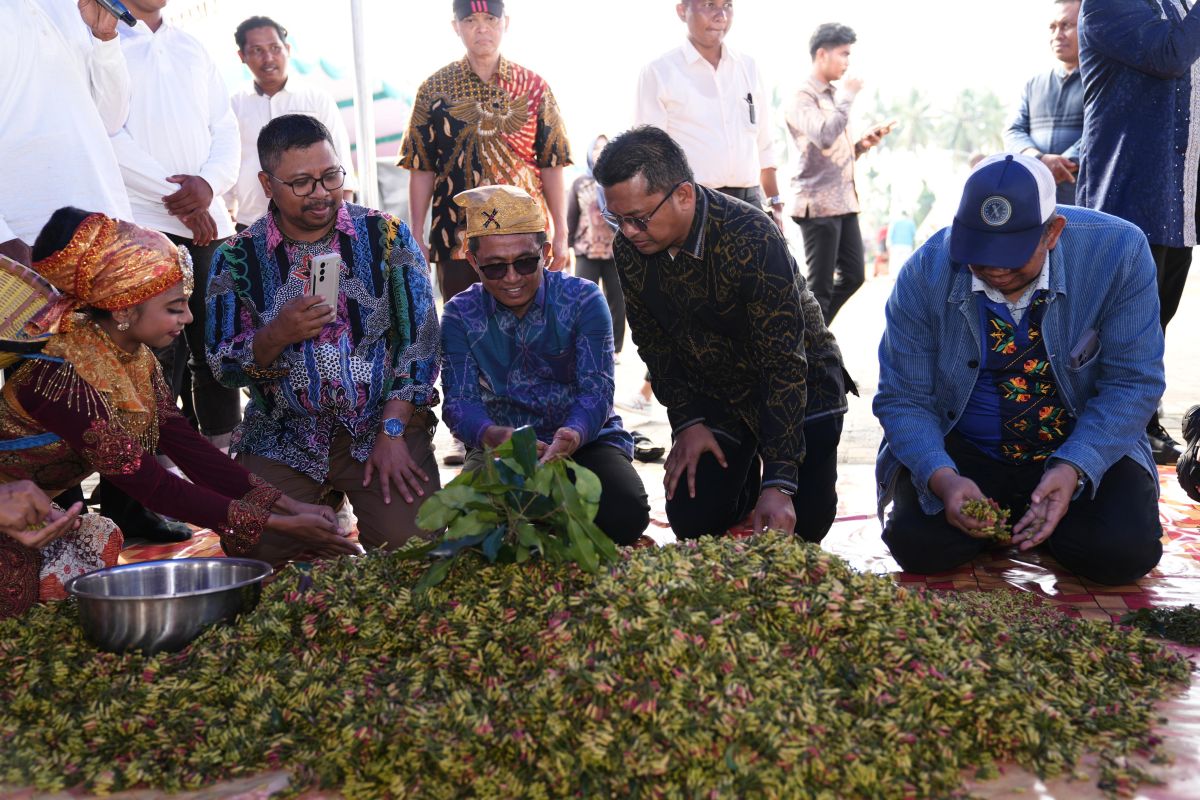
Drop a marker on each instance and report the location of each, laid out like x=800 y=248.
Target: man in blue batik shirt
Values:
x=527 y=346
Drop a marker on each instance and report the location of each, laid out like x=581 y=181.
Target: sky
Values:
x=591 y=53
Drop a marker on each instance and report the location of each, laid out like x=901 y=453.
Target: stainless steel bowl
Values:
x=163 y=605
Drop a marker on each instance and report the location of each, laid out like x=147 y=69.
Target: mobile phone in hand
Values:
x=323 y=278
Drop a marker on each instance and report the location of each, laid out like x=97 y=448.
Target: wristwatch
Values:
x=783 y=490
x=774 y=200
x=393 y=427
x=1080 y=476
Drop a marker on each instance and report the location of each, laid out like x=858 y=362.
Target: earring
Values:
x=123 y=326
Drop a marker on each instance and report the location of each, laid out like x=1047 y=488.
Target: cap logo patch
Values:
x=490 y=219
x=996 y=210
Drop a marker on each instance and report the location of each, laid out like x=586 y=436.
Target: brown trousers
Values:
x=381 y=525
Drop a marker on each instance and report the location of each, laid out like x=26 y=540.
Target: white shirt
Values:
x=705 y=110
x=63 y=93
x=1019 y=306
x=253 y=111
x=179 y=123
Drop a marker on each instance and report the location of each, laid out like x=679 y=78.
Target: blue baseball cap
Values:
x=1005 y=206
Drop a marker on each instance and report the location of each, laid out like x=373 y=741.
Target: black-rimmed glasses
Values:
x=640 y=223
x=523 y=266
x=306 y=185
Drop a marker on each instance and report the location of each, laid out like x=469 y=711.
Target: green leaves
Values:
x=515 y=508
x=1177 y=624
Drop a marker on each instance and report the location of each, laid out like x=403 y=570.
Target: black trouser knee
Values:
x=1112 y=538
x=725 y=496
x=624 y=509
x=1115 y=537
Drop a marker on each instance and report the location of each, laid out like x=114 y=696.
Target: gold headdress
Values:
x=112 y=265
x=493 y=210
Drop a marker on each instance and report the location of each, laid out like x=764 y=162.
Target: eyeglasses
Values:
x=303 y=187
x=640 y=223
x=523 y=266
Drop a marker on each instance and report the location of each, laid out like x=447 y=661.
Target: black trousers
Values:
x=833 y=248
x=1112 y=539
x=1173 y=264
x=216 y=409
x=603 y=272
x=454 y=276
x=624 y=509
x=724 y=497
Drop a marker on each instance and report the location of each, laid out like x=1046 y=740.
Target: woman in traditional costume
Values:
x=94 y=400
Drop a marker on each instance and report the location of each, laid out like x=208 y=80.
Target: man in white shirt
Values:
x=66 y=88
x=264 y=49
x=711 y=100
x=179 y=154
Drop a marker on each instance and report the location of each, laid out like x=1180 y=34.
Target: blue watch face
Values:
x=393 y=427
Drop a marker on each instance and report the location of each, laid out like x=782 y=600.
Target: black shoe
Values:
x=1188 y=465
x=1166 y=450
x=136 y=521
x=143 y=523
x=644 y=449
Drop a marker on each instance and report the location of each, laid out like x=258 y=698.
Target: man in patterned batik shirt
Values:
x=482 y=120
x=751 y=378
x=340 y=398
x=531 y=347
x=826 y=199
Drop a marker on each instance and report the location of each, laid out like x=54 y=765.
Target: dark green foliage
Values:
x=514 y=508
x=1177 y=624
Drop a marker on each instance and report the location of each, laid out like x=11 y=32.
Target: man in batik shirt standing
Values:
x=479 y=121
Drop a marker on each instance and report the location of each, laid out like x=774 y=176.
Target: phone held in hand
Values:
x=323 y=278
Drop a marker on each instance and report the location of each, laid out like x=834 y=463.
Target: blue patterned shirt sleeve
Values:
x=230 y=326
x=552 y=368
x=415 y=339
x=463 y=408
x=595 y=366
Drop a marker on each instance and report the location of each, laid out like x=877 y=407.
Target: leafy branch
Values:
x=512 y=509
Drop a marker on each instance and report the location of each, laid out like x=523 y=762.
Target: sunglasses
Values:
x=523 y=266
x=640 y=223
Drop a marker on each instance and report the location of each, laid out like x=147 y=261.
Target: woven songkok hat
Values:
x=495 y=210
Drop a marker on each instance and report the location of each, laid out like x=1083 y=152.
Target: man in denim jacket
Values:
x=1021 y=360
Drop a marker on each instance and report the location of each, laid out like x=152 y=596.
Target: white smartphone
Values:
x=323 y=278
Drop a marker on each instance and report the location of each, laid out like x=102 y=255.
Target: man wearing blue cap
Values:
x=1021 y=360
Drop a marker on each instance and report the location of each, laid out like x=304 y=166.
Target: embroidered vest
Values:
x=1015 y=392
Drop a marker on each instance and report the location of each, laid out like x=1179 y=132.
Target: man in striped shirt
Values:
x=1049 y=122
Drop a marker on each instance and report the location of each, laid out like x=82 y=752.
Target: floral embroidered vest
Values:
x=1016 y=392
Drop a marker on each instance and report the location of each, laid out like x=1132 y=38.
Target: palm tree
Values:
x=974 y=124
x=914 y=118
